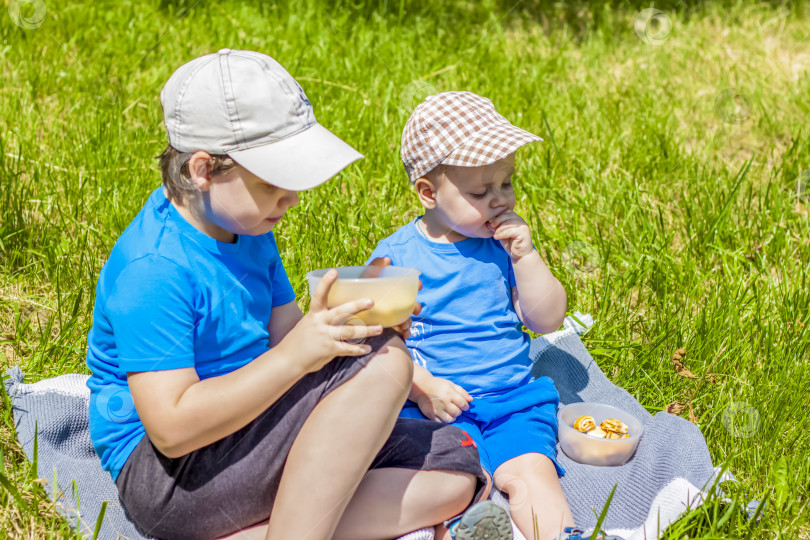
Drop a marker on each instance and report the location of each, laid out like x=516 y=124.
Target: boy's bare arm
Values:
x=282 y=320
x=182 y=413
x=539 y=298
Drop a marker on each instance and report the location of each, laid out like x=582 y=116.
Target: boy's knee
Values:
x=391 y=361
x=456 y=491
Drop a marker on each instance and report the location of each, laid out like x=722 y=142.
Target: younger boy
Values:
x=482 y=280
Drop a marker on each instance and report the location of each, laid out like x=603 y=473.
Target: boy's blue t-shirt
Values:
x=468 y=330
x=171 y=297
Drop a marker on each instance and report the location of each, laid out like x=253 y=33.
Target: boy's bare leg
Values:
x=393 y=502
x=337 y=444
x=531 y=482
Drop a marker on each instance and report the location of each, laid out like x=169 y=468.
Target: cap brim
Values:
x=489 y=145
x=301 y=161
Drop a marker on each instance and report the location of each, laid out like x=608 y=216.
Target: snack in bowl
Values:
x=614 y=426
x=393 y=289
x=597 y=432
x=611 y=428
x=584 y=423
x=612 y=440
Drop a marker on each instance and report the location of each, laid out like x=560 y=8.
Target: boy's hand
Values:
x=440 y=400
x=374 y=269
x=322 y=334
x=513 y=233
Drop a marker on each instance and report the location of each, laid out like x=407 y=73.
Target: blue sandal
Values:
x=482 y=521
x=572 y=533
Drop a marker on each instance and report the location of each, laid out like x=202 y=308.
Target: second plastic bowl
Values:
x=591 y=450
x=393 y=289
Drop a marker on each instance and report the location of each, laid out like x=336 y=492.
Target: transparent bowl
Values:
x=583 y=448
x=393 y=289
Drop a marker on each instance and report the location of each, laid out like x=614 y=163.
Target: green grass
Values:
x=670 y=222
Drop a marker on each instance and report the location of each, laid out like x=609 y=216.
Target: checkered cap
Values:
x=457 y=128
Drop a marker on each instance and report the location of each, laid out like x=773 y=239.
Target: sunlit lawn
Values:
x=668 y=195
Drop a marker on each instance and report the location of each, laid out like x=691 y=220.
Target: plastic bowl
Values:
x=583 y=448
x=393 y=289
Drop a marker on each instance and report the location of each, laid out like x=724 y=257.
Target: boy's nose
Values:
x=291 y=198
x=499 y=197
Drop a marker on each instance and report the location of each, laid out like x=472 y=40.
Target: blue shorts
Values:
x=517 y=422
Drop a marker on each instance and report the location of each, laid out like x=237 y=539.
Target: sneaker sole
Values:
x=485 y=521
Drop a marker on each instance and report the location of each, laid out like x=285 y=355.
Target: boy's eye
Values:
x=478 y=195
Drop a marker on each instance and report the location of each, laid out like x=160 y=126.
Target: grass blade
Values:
x=550 y=134
x=602 y=516
x=100 y=520
x=4 y=481
x=712 y=229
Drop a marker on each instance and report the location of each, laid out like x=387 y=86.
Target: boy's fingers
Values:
x=507 y=229
x=319 y=299
x=349 y=349
x=403 y=328
x=501 y=218
x=375 y=267
x=340 y=314
x=453 y=412
x=461 y=403
x=380 y=261
x=347 y=332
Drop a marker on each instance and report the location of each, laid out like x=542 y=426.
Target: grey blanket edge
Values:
x=671 y=447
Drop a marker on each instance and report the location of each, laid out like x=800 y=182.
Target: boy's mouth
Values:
x=489 y=224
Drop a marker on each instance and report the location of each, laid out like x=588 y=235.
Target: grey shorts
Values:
x=231 y=484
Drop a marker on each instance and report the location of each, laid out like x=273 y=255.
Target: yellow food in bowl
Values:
x=392 y=288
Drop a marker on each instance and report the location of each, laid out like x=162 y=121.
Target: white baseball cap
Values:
x=245 y=104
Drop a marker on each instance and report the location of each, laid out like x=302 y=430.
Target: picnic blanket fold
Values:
x=670 y=472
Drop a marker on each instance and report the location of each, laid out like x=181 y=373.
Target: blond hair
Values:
x=174 y=170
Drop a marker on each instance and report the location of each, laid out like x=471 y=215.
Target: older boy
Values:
x=237 y=408
x=482 y=279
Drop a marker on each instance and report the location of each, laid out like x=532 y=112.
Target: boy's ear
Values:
x=426 y=192
x=199 y=169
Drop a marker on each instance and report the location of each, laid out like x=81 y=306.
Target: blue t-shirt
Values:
x=468 y=330
x=171 y=297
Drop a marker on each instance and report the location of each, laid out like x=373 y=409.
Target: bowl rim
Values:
x=320 y=272
x=598 y=440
